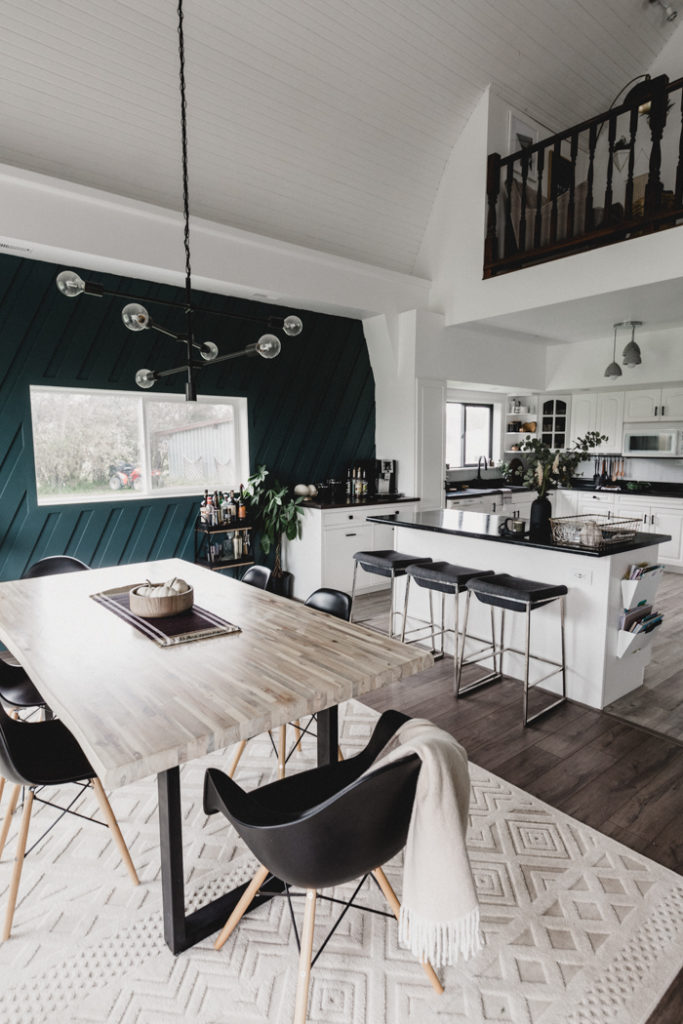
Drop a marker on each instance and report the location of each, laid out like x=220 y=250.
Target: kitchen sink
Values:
x=491 y=483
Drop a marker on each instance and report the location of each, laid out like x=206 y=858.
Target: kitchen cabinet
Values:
x=602 y=411
x=554 y=424
x=596 y=503
x=323 y=555
x=661 y=404
x=658 y=517
x=521 y=411
x=564 y=502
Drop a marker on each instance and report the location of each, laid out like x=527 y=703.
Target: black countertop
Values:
x=485 y=527
x=639 y=489
x=377 y=499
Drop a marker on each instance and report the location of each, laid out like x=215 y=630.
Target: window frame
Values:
x=241 y=428
x=462 y=442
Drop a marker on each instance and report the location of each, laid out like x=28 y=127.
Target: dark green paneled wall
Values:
x=311 y=410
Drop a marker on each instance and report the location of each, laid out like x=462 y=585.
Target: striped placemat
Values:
x=195 y=624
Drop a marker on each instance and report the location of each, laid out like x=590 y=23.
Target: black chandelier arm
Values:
x=193 y=366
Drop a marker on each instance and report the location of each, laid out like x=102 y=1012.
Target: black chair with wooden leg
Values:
x=38 y=754
x=322 y=828
x=257 y=576
x=16 y=689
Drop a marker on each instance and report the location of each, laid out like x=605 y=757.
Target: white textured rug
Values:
x=579 y=929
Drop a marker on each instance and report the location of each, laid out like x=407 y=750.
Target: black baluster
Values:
x=492 y=193
x=607 y=214
x=588 y=219
x=679 y=169
x=555 y=157
x=574 y=145
x=632 y=129
x=509 y=229
x=657 y=120
x=539 y=199
x=522 y=214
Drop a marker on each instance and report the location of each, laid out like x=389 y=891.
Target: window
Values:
x=97 y=445
x=469 y=433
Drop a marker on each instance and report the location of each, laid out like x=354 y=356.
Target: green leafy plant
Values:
x=547 y=468
x=275 y=511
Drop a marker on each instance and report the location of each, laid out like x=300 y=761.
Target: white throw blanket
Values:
x=439 y=910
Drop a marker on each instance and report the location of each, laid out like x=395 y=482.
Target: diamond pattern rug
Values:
x=578 y=929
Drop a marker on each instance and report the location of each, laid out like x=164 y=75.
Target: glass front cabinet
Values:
x=555 y=421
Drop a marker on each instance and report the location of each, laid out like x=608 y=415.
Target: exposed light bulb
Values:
x=292 y=325
x=268 y=346
x=135 y=317
x=70 y=284
x=208 y=350
x=145 y=379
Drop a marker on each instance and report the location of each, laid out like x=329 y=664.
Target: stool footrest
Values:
x=543 y=711
x=492 y=677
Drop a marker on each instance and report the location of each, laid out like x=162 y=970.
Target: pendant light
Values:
x=614 y=370
x=135 y=315
x=631 y=354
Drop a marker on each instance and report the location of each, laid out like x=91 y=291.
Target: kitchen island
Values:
x=598 y=670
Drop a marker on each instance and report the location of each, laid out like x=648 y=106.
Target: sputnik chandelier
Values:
x=135 y=315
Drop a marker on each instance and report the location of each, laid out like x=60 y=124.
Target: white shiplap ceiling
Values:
x=326 y=123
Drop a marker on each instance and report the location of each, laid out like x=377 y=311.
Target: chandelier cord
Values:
x=186 y=199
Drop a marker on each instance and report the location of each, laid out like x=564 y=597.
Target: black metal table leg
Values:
x=182 y=930
x=328 y=735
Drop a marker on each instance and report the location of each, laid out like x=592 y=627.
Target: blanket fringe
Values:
x=440 y=943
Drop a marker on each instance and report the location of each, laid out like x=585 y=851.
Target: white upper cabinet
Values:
x=661 y=404
x=602 y=411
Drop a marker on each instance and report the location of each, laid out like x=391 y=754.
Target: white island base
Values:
x=596 y=675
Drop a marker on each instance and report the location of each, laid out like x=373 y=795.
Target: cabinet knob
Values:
x=350 y=515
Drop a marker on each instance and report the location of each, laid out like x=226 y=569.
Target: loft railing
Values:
x=579 y=190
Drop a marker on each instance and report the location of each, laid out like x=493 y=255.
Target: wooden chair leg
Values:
x=8 y=816
x=392 y=900
x=105 y=807
x=2 y=786
x=297 y=734
x=282 y=752
x=18 y=865
x=305 y=959
x=241 y=907
x=238 y=755
x=340 y=756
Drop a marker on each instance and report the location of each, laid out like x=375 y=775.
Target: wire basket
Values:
x=593 y=531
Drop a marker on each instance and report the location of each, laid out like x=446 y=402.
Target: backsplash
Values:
x=654 y=470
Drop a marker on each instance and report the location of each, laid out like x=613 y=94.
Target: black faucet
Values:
x=479 y=465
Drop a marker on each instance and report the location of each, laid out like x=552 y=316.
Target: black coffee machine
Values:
x=385 y=477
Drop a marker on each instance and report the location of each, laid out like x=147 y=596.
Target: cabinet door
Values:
x=641 y=405
x=610 y=408
x=596 y=504
x=584 y=414
x=631 y=508
x=564 y=503
x=668 y=520
x=339 y=546
x=672 y=404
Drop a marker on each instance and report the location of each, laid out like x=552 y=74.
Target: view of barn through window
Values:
x=101 y=444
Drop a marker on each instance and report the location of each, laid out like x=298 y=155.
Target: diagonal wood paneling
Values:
x=311 y=411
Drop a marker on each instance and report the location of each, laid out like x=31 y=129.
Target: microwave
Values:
x=653 y=442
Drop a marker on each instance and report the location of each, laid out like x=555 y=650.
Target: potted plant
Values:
x=547 y=468
x=276 y=513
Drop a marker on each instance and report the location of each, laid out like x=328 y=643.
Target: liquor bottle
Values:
x=202 y=508
x=241 y=506
x=222 y=507
x=349 y=483
x=232 y=509
x=359 y=483
x=208 y=510
x=364 y=485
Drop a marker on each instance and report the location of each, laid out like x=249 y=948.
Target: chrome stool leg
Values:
x=405 y=611
x=353 y=589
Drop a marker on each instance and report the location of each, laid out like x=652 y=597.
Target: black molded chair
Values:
x=37 y=754
x=257 y=576
x=16 y=688
x=322 y=828
x=334 y=602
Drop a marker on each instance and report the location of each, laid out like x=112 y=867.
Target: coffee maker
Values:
x=385 y=477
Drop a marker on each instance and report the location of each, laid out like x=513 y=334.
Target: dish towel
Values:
x=439 y=918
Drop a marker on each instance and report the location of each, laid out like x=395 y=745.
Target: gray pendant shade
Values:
x=631 y=354
x=614 y=370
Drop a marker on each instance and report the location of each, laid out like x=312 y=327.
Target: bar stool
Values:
x=390 y=564
x=443 y=578
x=511 y=593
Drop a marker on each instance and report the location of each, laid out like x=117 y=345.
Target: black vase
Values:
x=539 y=519
x=281 y=585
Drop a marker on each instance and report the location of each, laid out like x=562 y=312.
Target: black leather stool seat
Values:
x=514 y=593
x=444 y=577
x=387 y=563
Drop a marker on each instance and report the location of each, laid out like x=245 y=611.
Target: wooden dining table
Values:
x=139 y=709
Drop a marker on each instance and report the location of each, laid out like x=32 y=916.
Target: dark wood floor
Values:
x=617 y=777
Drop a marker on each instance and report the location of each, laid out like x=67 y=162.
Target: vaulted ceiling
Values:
x=326 y=123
